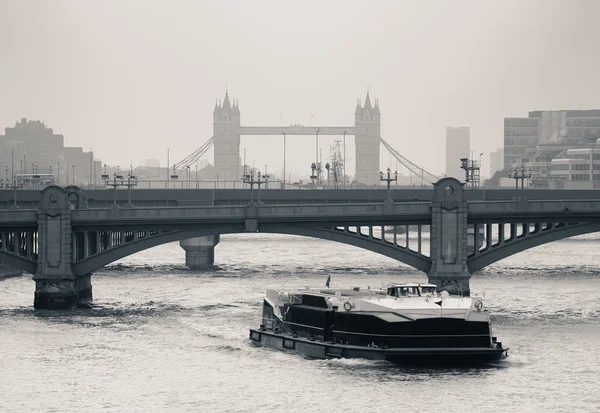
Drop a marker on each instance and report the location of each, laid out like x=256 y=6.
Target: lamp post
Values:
x=6 y=176
x=91 y=164
x=174 y=176
x=548 y=169
x=317 y=154
x=593 y=139
x=249 y=179
x=313 y=176
x=73 y=169
x=344 y=169
x=389 y=180
x=519 y=173
x=188 y=175
x=284 y=148
x=131 y=181
x=168 y=163
x=117 y=181
x=14 y=186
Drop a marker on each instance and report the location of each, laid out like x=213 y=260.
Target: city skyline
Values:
x=159 y=90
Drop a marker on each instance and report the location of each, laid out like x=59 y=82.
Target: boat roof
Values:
x=412 y=285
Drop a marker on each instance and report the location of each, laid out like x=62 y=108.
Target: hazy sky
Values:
x=131 y=78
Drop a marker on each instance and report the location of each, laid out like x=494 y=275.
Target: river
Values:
x=162 y=338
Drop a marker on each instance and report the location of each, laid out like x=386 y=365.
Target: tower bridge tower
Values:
x=367 y=122
x=226 y=123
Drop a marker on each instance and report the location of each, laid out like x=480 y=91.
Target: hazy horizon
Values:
x=133 y=78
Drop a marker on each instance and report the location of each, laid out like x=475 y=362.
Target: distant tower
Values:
x=226 y=122
x=367 y=122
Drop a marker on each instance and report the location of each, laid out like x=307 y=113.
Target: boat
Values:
x=407 y=323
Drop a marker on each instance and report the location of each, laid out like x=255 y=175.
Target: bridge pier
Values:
x=449 y=250
x=62 y=294
x=56 y=286
x=200 y=251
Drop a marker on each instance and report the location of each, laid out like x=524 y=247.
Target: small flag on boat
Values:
x=328 y=281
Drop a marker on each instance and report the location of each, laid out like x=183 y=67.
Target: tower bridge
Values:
x=227 y=130
x=63 y=239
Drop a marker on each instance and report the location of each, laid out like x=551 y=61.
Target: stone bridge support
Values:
x=56 y=287
x=449 y=238
x=200 y=251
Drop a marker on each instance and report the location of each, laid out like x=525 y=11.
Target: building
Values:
x=496 y=161
x=226 y=124
x=547 y=127
x=577 y=164
x=31 y=147
x=458 y=143
x=367 y=121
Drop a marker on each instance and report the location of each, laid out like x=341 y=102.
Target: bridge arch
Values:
x=18 y=262
x=486 y=258
x=99 y=260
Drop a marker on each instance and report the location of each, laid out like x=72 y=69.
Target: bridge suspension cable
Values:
x=411 y=166
x=194 y=156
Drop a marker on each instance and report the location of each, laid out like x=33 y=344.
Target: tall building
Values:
x=32 y=147
x=458 y=143
x=367 y=122
x=546 y=127
x=226 y=123
x=496 y=161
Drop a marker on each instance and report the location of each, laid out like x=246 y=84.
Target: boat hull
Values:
x=405 y=356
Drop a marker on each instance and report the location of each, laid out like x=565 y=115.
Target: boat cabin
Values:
x=411 y=290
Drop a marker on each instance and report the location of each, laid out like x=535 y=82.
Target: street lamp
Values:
x=595 y=140
x=317 y=154
x=73 y=169
x=313 y=175
x=249 y=179
x=168 y=163
x=188 y=175
x=14 y=187
x=548 y=169
x=389 y=179
x=519 y=173
x=174 y=176
x=131 y=181
x=117 y=181
x=344 y=168
x=284 y=144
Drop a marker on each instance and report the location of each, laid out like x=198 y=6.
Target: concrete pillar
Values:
x=200 y=251
x=83 y=288
x=449 y=238
x=56 y=287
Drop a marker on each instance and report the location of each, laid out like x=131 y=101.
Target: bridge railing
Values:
x=264 y=212
x=575 y=205
x=18 y=217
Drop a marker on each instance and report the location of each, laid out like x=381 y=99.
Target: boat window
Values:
x=392 y=292
x=402 y=291
x=428 y=290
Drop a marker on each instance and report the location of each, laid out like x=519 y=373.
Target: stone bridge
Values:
x=64 y=240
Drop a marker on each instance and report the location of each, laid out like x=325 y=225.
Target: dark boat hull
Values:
x=406 y=356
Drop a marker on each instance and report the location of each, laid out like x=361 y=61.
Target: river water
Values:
x=162 y=338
